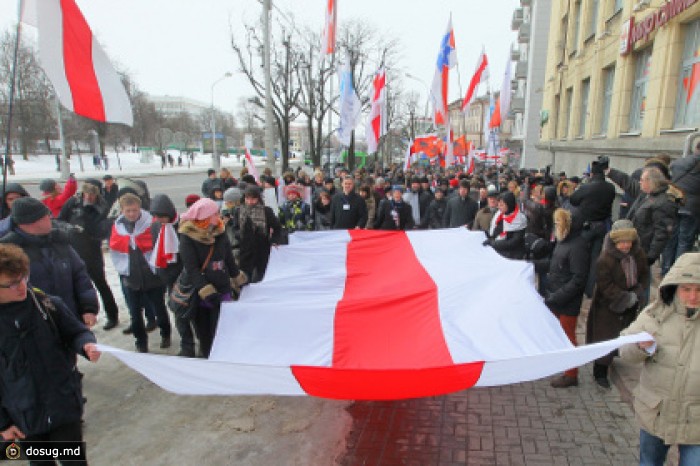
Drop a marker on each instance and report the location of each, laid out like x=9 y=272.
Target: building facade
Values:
x=621 y=80
x=170 y=106
x=531 y=21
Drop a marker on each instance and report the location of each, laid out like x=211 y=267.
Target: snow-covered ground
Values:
x=43 y=166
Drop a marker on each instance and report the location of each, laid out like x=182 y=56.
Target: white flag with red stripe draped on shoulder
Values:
x=365 y=314
x=79 y=70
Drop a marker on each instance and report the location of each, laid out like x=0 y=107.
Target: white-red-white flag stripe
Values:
x=329 y=29
x=252 y=169
x=376 y=124
x=330 y=320
x=78 y=68
x=480 y=76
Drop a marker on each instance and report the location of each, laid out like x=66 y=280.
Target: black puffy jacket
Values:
x=40 y=387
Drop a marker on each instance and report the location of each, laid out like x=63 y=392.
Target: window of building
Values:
x=688 y=103
x=639 y=91
x=608 y=82
x=577 y=26
x=585 y=90
x=567 y=116
x=593 y=18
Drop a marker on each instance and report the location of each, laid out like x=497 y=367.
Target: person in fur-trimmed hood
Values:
x=666 y=401
x=621 y=276
x=209 y=264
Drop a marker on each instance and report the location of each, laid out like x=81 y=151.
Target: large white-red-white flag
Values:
x=329 y=29
x=480 y=75
x=252 y=169
x=79 y=70
x=447 y=59
x=327 y=322
x=376 y=124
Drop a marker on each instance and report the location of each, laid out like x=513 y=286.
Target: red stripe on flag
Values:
x=357 y=384
x=80 y=70
x=388 y=343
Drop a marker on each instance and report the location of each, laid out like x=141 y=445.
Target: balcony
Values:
x=524 y=33
x=514 y=85
x=517 y=105
x=517 y=19
x=514 y=53
x=521 y=70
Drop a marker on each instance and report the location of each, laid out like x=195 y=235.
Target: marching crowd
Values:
x=52 y=267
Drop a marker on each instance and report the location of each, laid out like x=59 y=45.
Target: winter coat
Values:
x=110 y=196
x=372 y=207
x=594 y=199
x=322 y=216
x=209 y=185
x=195 y=244
x=568 y=272
x=460 y=212
x=482 y=221
x=609 y=313
x=436 y=212
x=56 y=269
x=296 y=216
x=94 y=227
x=40 y=386
x=55 y=203
x=510 y=242
x=685 y=174
x=536 y=218
x=134 y=263
x=653 y=214
x=667 y=401
x=385 y=216
x=352 y=216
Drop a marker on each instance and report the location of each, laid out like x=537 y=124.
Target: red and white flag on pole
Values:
x=363 y=334
x=78 y=68
x=447 y=59
x=500 y=113
x=480 y=75
x=251 y=165
x=329 y=29
x=376 y=125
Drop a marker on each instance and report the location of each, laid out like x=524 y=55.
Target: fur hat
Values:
x=26 y=210
x=92 y=186
x=623 y=230
x=660 y=163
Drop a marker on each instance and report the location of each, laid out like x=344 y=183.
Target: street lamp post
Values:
x=216 y=163
x=428 y=92
x=269 y=116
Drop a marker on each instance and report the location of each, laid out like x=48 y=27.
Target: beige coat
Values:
x=667 y=399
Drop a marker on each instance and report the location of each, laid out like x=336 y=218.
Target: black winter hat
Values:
x=27 y=210
x=47 y=185
x=16 y=188
x=162 y=205
x=253 y=191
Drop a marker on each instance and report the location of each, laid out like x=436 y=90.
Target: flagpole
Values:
x=330 y=116
x=65 y=165
x=10 y=106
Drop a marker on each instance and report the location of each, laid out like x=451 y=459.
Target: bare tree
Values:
x=285 y=59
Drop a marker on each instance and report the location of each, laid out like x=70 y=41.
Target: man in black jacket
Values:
x=55 y=267
x=88 y=211
x=461 y=209
x=40 y=388
x=594 y=201
x=394 y=213
x=348 y=209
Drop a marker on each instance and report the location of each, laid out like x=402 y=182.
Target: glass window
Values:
x=585 y=89
x=567 y=115
x=608 y=82
x=593 y=18
x=577 y=26
x=639 y=91
x=688 y=103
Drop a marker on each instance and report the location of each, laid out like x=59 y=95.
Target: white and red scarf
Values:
x=121 y=241
x=511 y=222
x=167 y=245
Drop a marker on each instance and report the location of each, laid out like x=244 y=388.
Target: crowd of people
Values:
x=51 y=260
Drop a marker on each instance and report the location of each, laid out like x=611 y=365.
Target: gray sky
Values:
x=180 y=47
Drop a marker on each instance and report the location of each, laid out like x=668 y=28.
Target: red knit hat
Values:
x=191 y=199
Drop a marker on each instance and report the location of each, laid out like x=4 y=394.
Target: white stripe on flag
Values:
x=114 y=96
x=51 y=50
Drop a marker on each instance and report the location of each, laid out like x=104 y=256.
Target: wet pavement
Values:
x=524 y=424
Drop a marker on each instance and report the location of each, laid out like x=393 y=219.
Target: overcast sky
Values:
x=180 y=47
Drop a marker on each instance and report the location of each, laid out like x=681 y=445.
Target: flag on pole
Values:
x=480 y=75
x=503 y=104
x=447 y=59
x=251 y=165
x=329 y=29
x=363 y=334
x=376 y=125
x=350 y=106
x=79 y=70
